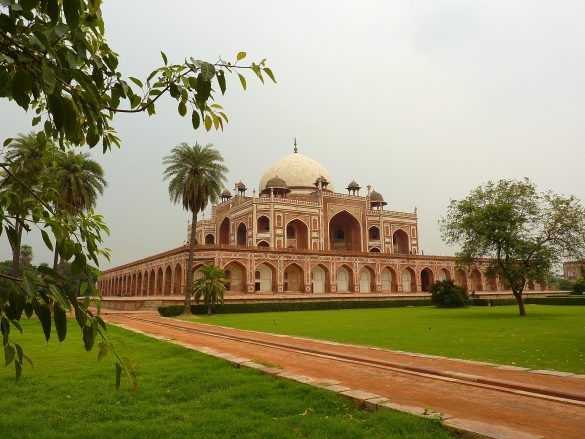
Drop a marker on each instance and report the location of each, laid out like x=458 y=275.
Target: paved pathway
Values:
x=455 y=392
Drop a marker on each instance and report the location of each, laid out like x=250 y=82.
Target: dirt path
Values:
x=463 y=400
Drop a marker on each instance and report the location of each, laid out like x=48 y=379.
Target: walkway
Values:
x=473 y=395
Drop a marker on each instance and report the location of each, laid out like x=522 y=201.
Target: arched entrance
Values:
x=293 y=279
x=209 y=239
x=263 y=224
x=151 y=285
x=320 y=279
x=408 y=280
x=444 y=274
x=242 y=235
x=224 y=231
x=344 y=279
x=367 y=280
x=344 y=232
x=159 y=282
x=168 y=274
x=264 y=275
x=475 y=278
x=374 y=233
x=400 y=242
x=388 y=279
x=426 y=279
x=461 y=278
x=297 y=234
x=235 y=275
x=492 y=283
x=263 y=244
x=374 y=250
x=139 y=284
x=177 y=280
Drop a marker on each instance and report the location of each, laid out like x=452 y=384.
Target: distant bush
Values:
x=579 y=285
x=569 y=300
x=445 y=294
x=229 y=308
x=493 y=302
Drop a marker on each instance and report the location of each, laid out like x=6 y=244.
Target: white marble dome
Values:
x=299 y=172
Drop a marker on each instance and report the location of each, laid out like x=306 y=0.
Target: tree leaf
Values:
x=164 y=57
x=7 y=141
x=221 y=81
x=207 y=71
x=104 y=348
x=44 y=315
x=136 y=81
x=182 y=108
x=60 y=318
x=195 y=119
x=49 y=78
x=241 y=55
x=118 y=375
x=71 y=10
x=47 y=240
x=18 y=369
x=268 y=71
x=29 y=286
x=78 y=264
x=242 y=80
x=208 y=122
x=8 y=355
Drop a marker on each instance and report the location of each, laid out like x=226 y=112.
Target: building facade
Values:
x=572 y=269
x=298 y=234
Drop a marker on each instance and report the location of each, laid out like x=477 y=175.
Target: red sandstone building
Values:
x=298 y=234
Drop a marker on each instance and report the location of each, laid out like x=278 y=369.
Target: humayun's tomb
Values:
x=300 y=235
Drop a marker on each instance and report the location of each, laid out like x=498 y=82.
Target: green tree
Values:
x=524 y=232
x=26 y=255
x=79 y=180
x=56 y=64
x=196 y=175
x=210 y=287
x=445 y=294
x=27 y=158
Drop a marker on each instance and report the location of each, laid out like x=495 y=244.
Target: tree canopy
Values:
x=524 y=232
x=55 y=63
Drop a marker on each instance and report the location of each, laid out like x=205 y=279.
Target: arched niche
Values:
x=345 y=232
x=297 y=234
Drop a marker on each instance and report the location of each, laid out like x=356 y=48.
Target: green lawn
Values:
x=551 y=337
x=181 y=394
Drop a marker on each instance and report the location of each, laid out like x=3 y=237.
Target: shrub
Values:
x=570 y=300
x=233 y=308
x=579 y=285
x=445 y=294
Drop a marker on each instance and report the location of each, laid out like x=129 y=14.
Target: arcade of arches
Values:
x=298 y=277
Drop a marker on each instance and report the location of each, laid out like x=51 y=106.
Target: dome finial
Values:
x=296 y=149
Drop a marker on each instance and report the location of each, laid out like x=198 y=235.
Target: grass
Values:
x=181 y=393
x=551 y=337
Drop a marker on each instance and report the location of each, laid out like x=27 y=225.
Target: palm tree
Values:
x=79 y=180
x=196 y=175
x=27 y=157
x=211 y=286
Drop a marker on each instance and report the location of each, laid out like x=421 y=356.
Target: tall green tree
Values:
x=56 y=64
x=26 y=255
x=27 y=158
x=196 y=177
x=210 y=287
x=79 y=180
x=524 y=232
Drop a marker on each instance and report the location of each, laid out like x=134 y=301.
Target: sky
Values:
x=423 y=100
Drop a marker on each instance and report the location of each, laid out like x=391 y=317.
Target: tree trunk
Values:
x=189 y=286
x=55 y=258
x=518 y=296
x=209 y=309
x=15 y=270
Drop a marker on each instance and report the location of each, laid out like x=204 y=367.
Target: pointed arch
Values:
x=408 y=280
x=209 y=239
x=475 y=280
x=389 y=279
x=242 y=234
x=320 y=279
x=374 y=250
x=344 y=278
x=367 y=278
x=263 y=244
x=297 y=234
x=461 y=278
x=427 y=278
x=139 y=284
x=168 y=281
x=263 y=224
x=224 y=231
x=235 y=275
x=265 y=277
x=177 y=279
x=345 y=232
x=151 y=283
x=444 y=274
x=159 y=282
x=400 y=242
x=294 y=278
x=374 y=233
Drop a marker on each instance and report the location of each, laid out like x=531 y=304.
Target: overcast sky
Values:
x=424 y=100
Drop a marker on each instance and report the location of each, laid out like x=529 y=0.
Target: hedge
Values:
x=229 y=308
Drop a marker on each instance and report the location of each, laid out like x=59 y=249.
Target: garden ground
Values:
x=181 y=393
x=550 y=337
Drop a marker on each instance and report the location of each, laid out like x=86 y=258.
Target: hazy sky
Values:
x=424 y=100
